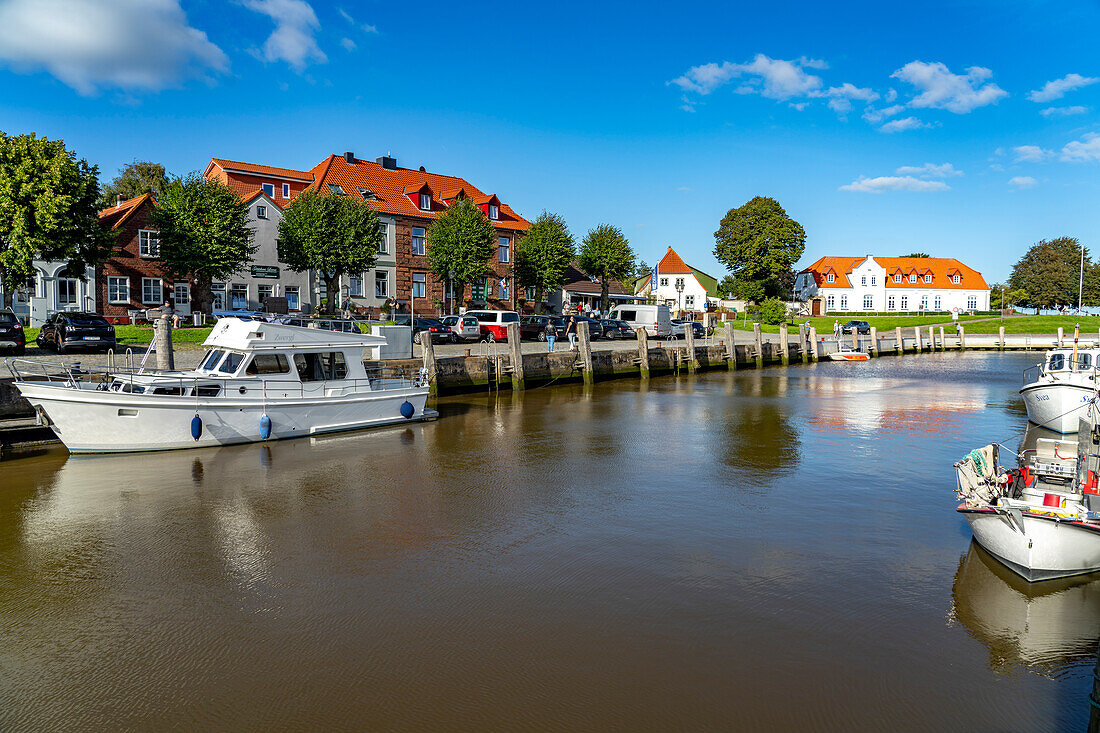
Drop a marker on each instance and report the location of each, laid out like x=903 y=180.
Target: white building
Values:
x=884 y=284
x=53 y=291
x=678 y=285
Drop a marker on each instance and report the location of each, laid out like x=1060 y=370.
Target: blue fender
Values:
x=196 y=427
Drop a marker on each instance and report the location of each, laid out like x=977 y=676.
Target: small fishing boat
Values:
x=847 y=354
x=257 y=381
x=1057 y=392
x=1042 y=517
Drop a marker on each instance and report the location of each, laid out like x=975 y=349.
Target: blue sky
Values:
x=964 y=129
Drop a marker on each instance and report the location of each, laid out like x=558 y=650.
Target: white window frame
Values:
x=938 y=303
x=260 y=294
x=897 y=278
x=830 y=278
x=504 y=249
x=425 y=201
x=891 y=303
x=868 y=302
x=158 y=298
x=689 y=301
x=863 y=280
x=269 y=189
x=664 y=282
x=905 y=302
x=912 y=279
x=381 y=277
x=115 y=292
x=293 y=303
x=241 y=287
x=261 y=212
x=418 y=240
x=830 y=302
x=68 y=283
x=384 y=240
x=148 y=243
x=494 y=212
x=956 y=279
x=353 y=291
x=924 y=302
x=844 y=302
x=972 y=302
x=286 y=190
x=680 y=283
x=420 y=287
x=175 y=294
x=218 y=293
x=927 y=279
x=872 y=280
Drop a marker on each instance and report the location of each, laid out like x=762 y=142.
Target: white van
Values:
x=653 y=318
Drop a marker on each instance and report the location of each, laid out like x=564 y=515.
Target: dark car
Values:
x=12 y=337
x=858 y=326
x=68 y=331
x=535 y=326
x=435 y=329
x=698 y=330
x=595 y=328
x=617 y=329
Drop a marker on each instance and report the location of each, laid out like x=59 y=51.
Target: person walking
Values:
x=551 y=335
x=571 y=332
x=836 y=330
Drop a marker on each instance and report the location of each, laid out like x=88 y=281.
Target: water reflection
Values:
x=1044 y=627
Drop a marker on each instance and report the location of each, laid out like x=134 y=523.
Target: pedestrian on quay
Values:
x=836 y=330
x=571 y=332
x=596 y=313
x=551 y=335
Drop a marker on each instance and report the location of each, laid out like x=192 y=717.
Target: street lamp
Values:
x=679 y=293
x=451 y=281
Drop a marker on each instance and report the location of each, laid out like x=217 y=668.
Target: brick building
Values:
x=134 y=278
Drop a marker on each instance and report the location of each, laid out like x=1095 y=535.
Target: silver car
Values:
x=464 y=328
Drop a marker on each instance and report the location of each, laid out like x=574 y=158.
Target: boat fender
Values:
x=1025 y=473
x=265 y=427
x=407 y=409
x=196 y=427
x=1090 y=483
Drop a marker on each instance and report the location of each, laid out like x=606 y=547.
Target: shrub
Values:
x=773 y=311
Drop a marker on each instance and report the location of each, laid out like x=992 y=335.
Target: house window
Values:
x=664 y=282
x=924 y=302
x=689 y=301
x=286 y=190
x=218 y=291
x=118 y=289
x=418 y=241
x=152 y=291
x=830 y=277
x=972 y=302
x=261 y=212
x=293 y=301
x=531 y=294
x=355 y=286
x=383 y=239
x=872 y=280
x=912 y=278
x=905 y=302
x=939 y=303
x=494 y=214
x=868 y=303
x=502 y=289
x=830 y=302
x=425 y=202
x=66 y=291
x=238 y=295
x=927 y=279
x=367 y=194
x=844 y=302
x=890 y=304
x=679 y=283
x=264 y=292
x=956 y=279
x=269 y=189
x=381 y=284
x=420 y=285
x=337 y=189
x=863 y=280
x=897 y=278
x=502 y=249
x=148 y=243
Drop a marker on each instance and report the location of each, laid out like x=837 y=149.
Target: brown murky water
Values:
x=770 y=550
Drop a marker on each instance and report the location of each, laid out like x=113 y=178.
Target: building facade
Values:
x=684 y=289
x=890 y=284
x=580 y=288
x=134 y=278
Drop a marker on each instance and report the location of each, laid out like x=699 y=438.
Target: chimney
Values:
x=118 y=200
x=349 y=158
x=387 y=162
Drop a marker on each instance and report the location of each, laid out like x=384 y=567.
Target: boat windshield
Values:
x=1057 y=362
x=1084 y=360
x=211 y=359
x=232 y=361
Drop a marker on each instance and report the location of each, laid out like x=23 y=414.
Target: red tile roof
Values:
x=672 y=264
x=114 y=216
x=258 y=170
x=941 y=269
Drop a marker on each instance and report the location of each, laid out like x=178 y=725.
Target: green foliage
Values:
x=544 y=254
x=751 y=290
x=773 y=311
x=48 y=210
x=606 y=255
x=332 y=234
x=1047 y=275
x=727 y=288
x=758 y=241
x=136 y=178
x=642 y=268
x=919 y=255
x=461 y=240
x=204 y=233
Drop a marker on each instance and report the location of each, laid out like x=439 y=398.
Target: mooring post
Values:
x=943 y=342
x=962 y=338
x=916 y=339
x=758 y=343
x=897 y=340
x=643 y=352
x=428 y=348
x=802 y=334
x=784 y=344
x=874 y=342
x=689 y=342
x=932 y=340
x=586 y=351
x=516 y=347
x=1001 y=337
x=1060 y=337
x=731 y=348
x=813 y=344
x=162 y=333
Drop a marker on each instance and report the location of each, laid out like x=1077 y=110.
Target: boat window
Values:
x=208 y=390
x=1057 y=361
x=133 y=389
x=232 y=361
x=318 y=367
x=211 y=359
x=268 y=364
x=1084 y=360
x=168 y=391
x=334 y=365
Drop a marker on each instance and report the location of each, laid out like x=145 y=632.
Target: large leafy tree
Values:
x=606 y=255
x=544 y=254
x=1047 y=276
x=48 y=210
x=759 y=242
x=918 y=255
x=332 y=234
x=461 y=241
x=204 y=233
x=135 y=178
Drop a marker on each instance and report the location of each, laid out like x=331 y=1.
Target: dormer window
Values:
x=927 y=279
x=269 y=189
x=425 y=202
x=897 y=278
x=367 y=194
x=337 y=189
x=912 y=278
x=494 y=212
x=831 y=277
x=956 y=279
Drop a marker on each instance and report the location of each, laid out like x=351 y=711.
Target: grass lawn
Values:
x=824 y=326
x=142 y=335
x=1039 y=324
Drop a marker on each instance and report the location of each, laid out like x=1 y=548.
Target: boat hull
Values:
x=1044 y=547
x=100 y=422
x=849 y=356
x=1057 y=406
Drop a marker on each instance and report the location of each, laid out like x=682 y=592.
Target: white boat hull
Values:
x=1058 y=406
x=849 y=356
x=1042 y=548
x=89 y=421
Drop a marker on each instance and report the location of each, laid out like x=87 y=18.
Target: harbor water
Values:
x=769 y=549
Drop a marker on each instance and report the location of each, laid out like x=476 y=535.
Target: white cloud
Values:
x=348 y=44
x=929 y=170
x=1030 y=153
x=366 y=27
x=133 y=45
x=893 y=183
x=840 y=98
x=1083 y=150
x=1064 y=111
x=292 y=40
x=875 y=116
x=705 y=78
x=773 y=78
x=940 y=89
x=1057 y=88
x=1022 y=181
x=905 y=123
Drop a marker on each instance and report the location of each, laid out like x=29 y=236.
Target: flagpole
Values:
x=1081 y=280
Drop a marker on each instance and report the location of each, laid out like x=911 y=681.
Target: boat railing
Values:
x=1033 y=373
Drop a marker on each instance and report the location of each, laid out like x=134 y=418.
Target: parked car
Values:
x=464 y=328
x=494 y=324
x=67 y=331
x=617 y=329
x=436 y=331
x=655 y=319
x=595 y=328
x=535 y=326
x=859 y=326
x=12 y=338
x=678 y=327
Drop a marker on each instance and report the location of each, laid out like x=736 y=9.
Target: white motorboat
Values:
x=1057 y=392
x=257 y=381
x=1041 y=518
x=845 y=353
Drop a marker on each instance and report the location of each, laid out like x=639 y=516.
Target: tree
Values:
x=544 y=254
x=606 y=255
x=332 y=234
x=461 y=241
x=728 y=286
x=643 y=269
x=47 y=210
x=758 y=241
x=750 y=290
x=919 y=255
x=204 y=233
x=773 y=311
x=1048 y=275
x=136 y=178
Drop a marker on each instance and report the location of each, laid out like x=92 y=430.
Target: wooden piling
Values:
x=932 y=340
x=428 y=349
x=962 y=338
x=897 y=340
x=162 y=332
x=802 y=350
x=731 y=348
x=515 y=346
x=855 y=338
x=1061 y=335
x=758 y=344
x=643 y=352
x=873 y=351
x=943 y=341
x=813 y=344
x=916 y=339
x=689 y=342
x=1001 y=339
x=585 y=347
x=784 y=345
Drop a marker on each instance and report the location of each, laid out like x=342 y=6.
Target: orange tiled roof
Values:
x=392 y=186
x=258 y=170
x=941 y=269
x=672 y=264
x=114 y=216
